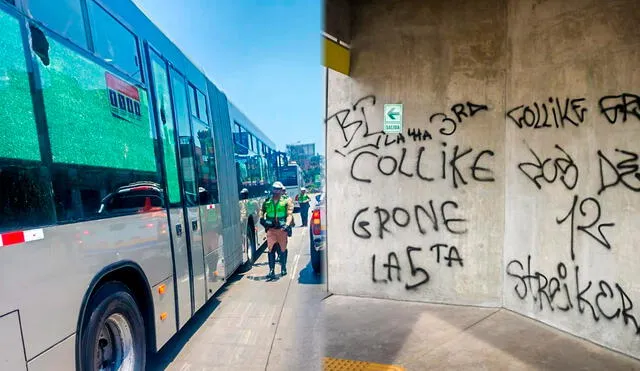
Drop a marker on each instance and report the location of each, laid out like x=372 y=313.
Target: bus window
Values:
x=202 y=107
x=250 y=138
x=17 y=123
x=113 y=42
x=63 y=16
x=94 y=117
x=184 y=133
x=242 y=144
x=165 y=117
x=243 y=172
x=133 y=198
x=25 y=192
x=205 y=157
x=289 y=176
x=193 y=101
x=100 y=132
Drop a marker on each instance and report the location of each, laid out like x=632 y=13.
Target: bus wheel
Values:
x=251 y=245
x=113 y=337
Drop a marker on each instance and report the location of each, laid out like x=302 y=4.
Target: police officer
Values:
x=244 y=194
x=276 y=216
x=304 y=200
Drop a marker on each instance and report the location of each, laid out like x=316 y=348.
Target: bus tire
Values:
x=251 y=245
x=113 y=333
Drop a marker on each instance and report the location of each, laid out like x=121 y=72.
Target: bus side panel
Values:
x=11 y=351
x=164 y=305
x=54 y=270
x=59 y=358
x=250 y=209
x=212 y=236
x=261 y=234
x=227 y=182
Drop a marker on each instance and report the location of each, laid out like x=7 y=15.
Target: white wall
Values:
x=511 y=56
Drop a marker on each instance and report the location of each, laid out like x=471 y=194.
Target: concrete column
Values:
x=515 y=181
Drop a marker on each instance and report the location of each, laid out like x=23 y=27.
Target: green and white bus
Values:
x=120 y=214
x=257 y=162
x=291 y=177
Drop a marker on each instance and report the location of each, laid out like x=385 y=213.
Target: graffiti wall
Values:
x=515 y=180
x=572 y=121
x=418 y=215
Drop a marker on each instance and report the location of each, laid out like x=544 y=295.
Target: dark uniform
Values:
x=304 y=201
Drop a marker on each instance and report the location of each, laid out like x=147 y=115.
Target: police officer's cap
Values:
x=278 y=185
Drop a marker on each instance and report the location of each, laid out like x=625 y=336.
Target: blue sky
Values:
x=264 y=54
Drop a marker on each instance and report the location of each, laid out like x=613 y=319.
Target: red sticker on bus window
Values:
x=124 y=98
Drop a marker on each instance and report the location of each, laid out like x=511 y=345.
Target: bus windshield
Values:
x=289 y=176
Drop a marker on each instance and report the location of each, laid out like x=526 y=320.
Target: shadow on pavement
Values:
x=388 y=332
x=173 y=347
x=365 y=329
x=263 y=264
x=265 y=278
x=170 y=351
x=308 y=277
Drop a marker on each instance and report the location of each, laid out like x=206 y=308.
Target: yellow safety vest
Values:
x=275 y=210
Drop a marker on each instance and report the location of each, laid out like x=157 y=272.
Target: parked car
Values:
x=317 y=234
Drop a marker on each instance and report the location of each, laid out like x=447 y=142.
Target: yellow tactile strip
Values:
x=334 y=364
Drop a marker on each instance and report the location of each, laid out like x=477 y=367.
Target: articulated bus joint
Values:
x=130 y=274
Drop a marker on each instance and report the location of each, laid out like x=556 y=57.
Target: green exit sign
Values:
x=392 y=118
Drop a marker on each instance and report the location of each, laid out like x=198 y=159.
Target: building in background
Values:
x=309 y=161
x=301 y=153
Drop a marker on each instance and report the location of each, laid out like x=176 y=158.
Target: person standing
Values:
x=276 y=216
x=305 y=203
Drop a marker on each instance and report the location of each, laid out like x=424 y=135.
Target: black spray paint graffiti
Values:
x=624 y=104
x=424 y=218
x=419 y=274
x=419 y=217
x=448 y=125
x=556 y=293
x=389 y=165
x=556 y=114
x=549 y=169
x=419 y=134
x=358 y=135
x=591 y=220
x=626 y=171
x=459 y=110
x=355 y=128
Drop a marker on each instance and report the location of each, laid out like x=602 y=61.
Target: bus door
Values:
x=190 y=185
x=179 y=181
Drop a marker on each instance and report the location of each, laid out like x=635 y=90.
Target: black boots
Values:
x=283 y=262
x=272 y=263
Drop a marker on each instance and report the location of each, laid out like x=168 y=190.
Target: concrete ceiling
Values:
x=337 y=19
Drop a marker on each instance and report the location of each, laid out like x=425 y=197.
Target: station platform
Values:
x=415 y=336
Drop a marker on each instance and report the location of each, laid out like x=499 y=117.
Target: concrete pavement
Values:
x=253 y=324
x=421 y=336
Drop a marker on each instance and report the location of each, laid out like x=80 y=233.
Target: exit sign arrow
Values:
x=393 y=114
